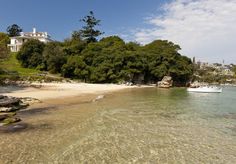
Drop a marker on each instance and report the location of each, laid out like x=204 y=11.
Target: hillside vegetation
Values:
x=108 y=60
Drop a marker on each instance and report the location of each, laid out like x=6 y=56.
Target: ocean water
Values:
x=146 y=125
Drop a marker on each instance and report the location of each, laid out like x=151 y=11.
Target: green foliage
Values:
x=73 y=46
x=88 y=32
x=14 y=30
x=234 y=69
x=75 y=68
x=164 y=59
x=30 y=54
x=4 y=40
x=112 y=60
x=53 y=57
x=11 y=69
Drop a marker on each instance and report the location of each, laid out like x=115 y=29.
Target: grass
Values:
x=12 y=65
x=11 y=69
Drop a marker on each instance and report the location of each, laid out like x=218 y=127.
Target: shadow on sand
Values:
x=10 y=88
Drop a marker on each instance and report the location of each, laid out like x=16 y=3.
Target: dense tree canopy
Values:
x=53 y=57
x=31 y=54
x=109 y=60
x=14 y=30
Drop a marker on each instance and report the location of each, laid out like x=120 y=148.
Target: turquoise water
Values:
x=146 y=125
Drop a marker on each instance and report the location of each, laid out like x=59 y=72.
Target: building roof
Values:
x=33 y=35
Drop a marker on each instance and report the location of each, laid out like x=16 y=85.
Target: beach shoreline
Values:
x=46 y=91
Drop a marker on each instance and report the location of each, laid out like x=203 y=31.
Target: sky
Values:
x=204 y=29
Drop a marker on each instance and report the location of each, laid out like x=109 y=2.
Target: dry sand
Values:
x=45 y=91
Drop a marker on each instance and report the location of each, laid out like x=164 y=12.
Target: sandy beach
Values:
x=43 y=91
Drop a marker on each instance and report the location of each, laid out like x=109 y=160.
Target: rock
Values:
x=9 y=101
x=6 y=115
x=98 y=98
x=10 y=104
x=166 y=82
x=11 y=120
x=29 y=100
x=23 y=105
x=5 y=109
x=10 y=109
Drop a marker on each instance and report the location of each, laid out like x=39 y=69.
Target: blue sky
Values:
x=60 y=17
x=203 y=28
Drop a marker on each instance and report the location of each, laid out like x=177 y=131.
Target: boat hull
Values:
x=205 y=90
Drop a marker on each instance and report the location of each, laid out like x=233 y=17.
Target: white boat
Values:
x=206 y=89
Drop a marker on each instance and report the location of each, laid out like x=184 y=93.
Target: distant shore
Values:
x=43 y=91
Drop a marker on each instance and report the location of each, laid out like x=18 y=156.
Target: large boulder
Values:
x=166 y=82
x=9 y=101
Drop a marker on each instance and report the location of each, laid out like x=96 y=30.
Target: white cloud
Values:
x=205 y=29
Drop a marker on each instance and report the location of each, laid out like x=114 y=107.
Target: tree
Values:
x=30 y=54
x=4 y=40
x=164 y=59
x=75 y=68
x=53 y=57
x=234 y=70
x=14 y=30
x=88 y=32
x=73 y=46
x=111 y=60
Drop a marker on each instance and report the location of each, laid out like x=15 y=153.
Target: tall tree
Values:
x=88 y=32
x=14 y=30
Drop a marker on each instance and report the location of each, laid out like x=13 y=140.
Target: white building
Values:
x=17 y=41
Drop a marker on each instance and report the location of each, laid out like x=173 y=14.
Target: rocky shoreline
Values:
x=9 y=107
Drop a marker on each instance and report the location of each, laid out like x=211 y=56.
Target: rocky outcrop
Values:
x=166 y=82
x=9 y=101
x=9 y=105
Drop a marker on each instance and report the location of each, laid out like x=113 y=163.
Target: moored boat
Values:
x=206 y=89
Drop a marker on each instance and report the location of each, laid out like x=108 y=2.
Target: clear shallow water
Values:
x=137 y=126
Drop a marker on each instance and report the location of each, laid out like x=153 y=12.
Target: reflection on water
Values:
x=137 y=126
